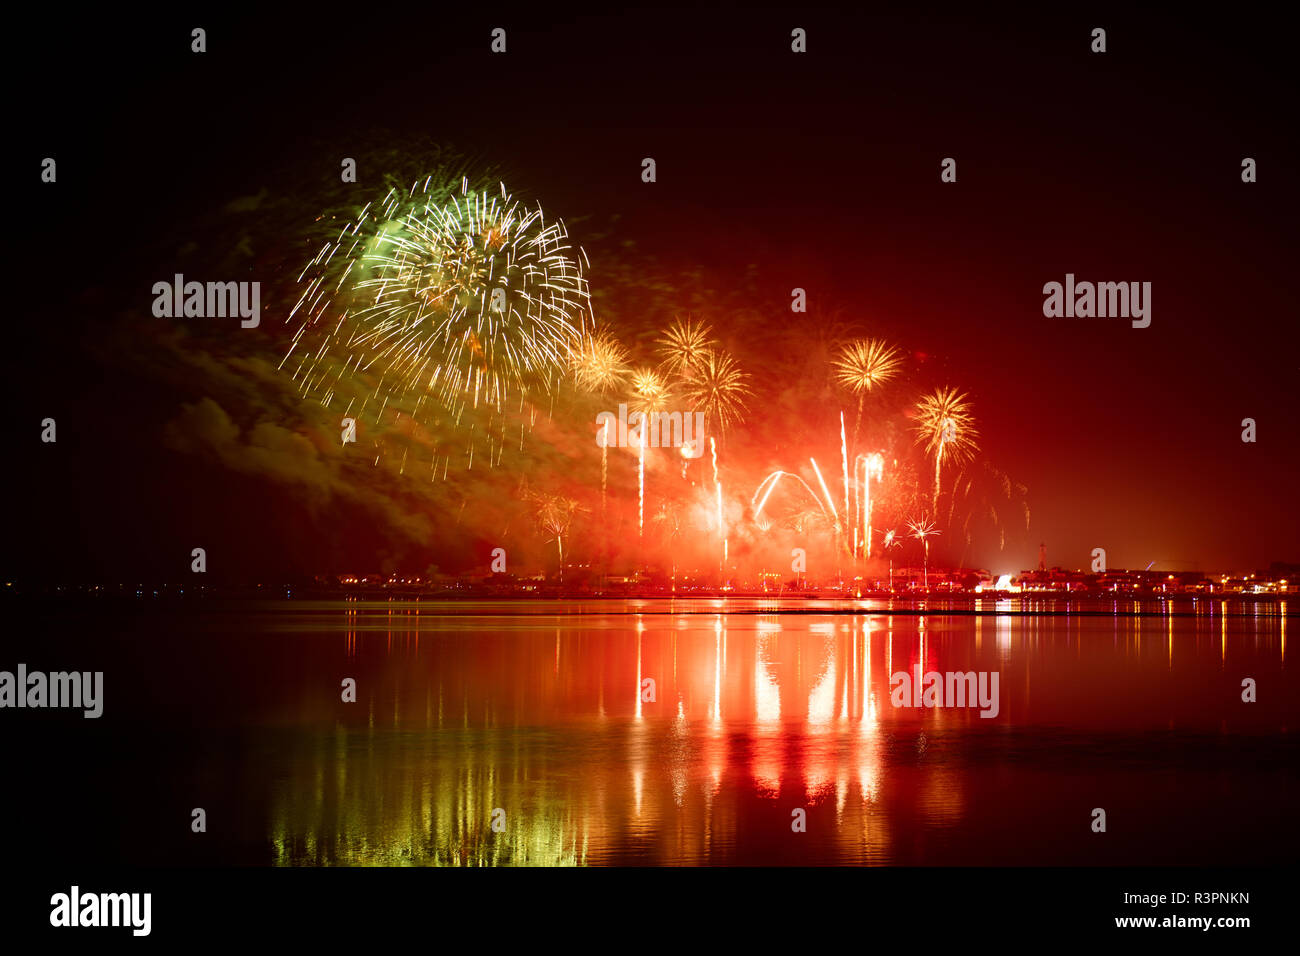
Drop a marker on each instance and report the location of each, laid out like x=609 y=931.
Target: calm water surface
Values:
x=760 y=709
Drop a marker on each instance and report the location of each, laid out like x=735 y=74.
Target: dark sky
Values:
x=775 y=170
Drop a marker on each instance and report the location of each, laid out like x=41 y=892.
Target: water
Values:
x=761 y=709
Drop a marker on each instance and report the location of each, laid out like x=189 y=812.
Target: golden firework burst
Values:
x=720 y=390
x=863 y=364
x=684 y=346
x=946 y=427
x=650 y=391
x=599 y=362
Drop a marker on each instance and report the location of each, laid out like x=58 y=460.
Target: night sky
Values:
x=775 y=171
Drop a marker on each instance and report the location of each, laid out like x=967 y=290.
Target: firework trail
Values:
x=604 y=468
x=599 y=364
x=860 y=366
x=770 y=483
x=923 y=529
x=870 y=466
x=553 y=515
x=650 y=394
x=947 y=429
x=774 y=478
x=460 y=297
x=717 y=484
x=844 y=461
x=640 y=484
x=986 y=492
x=890 y=542
x=826 y=491
x=669 y=517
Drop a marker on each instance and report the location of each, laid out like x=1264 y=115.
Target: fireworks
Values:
x=719 y=389
x=826 y=491
x=669 y=517
x=808 y=520
x=923 y=529
x=643 y=437
x=461 y=296
x=553 y=515
x=865 y=468
x=844 y=463
x=947 y=429
x=599 y=362
x=770 y=482
x=717 y=484
x=768 y=485
x=684 y=346
x=863 y=364
x=889 y=543
x=452 y=297
x=982 y=493
x=650 y=392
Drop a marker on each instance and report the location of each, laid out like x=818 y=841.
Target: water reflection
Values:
x=545 y=717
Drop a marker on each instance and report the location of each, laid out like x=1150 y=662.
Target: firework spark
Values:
x=945 y=426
